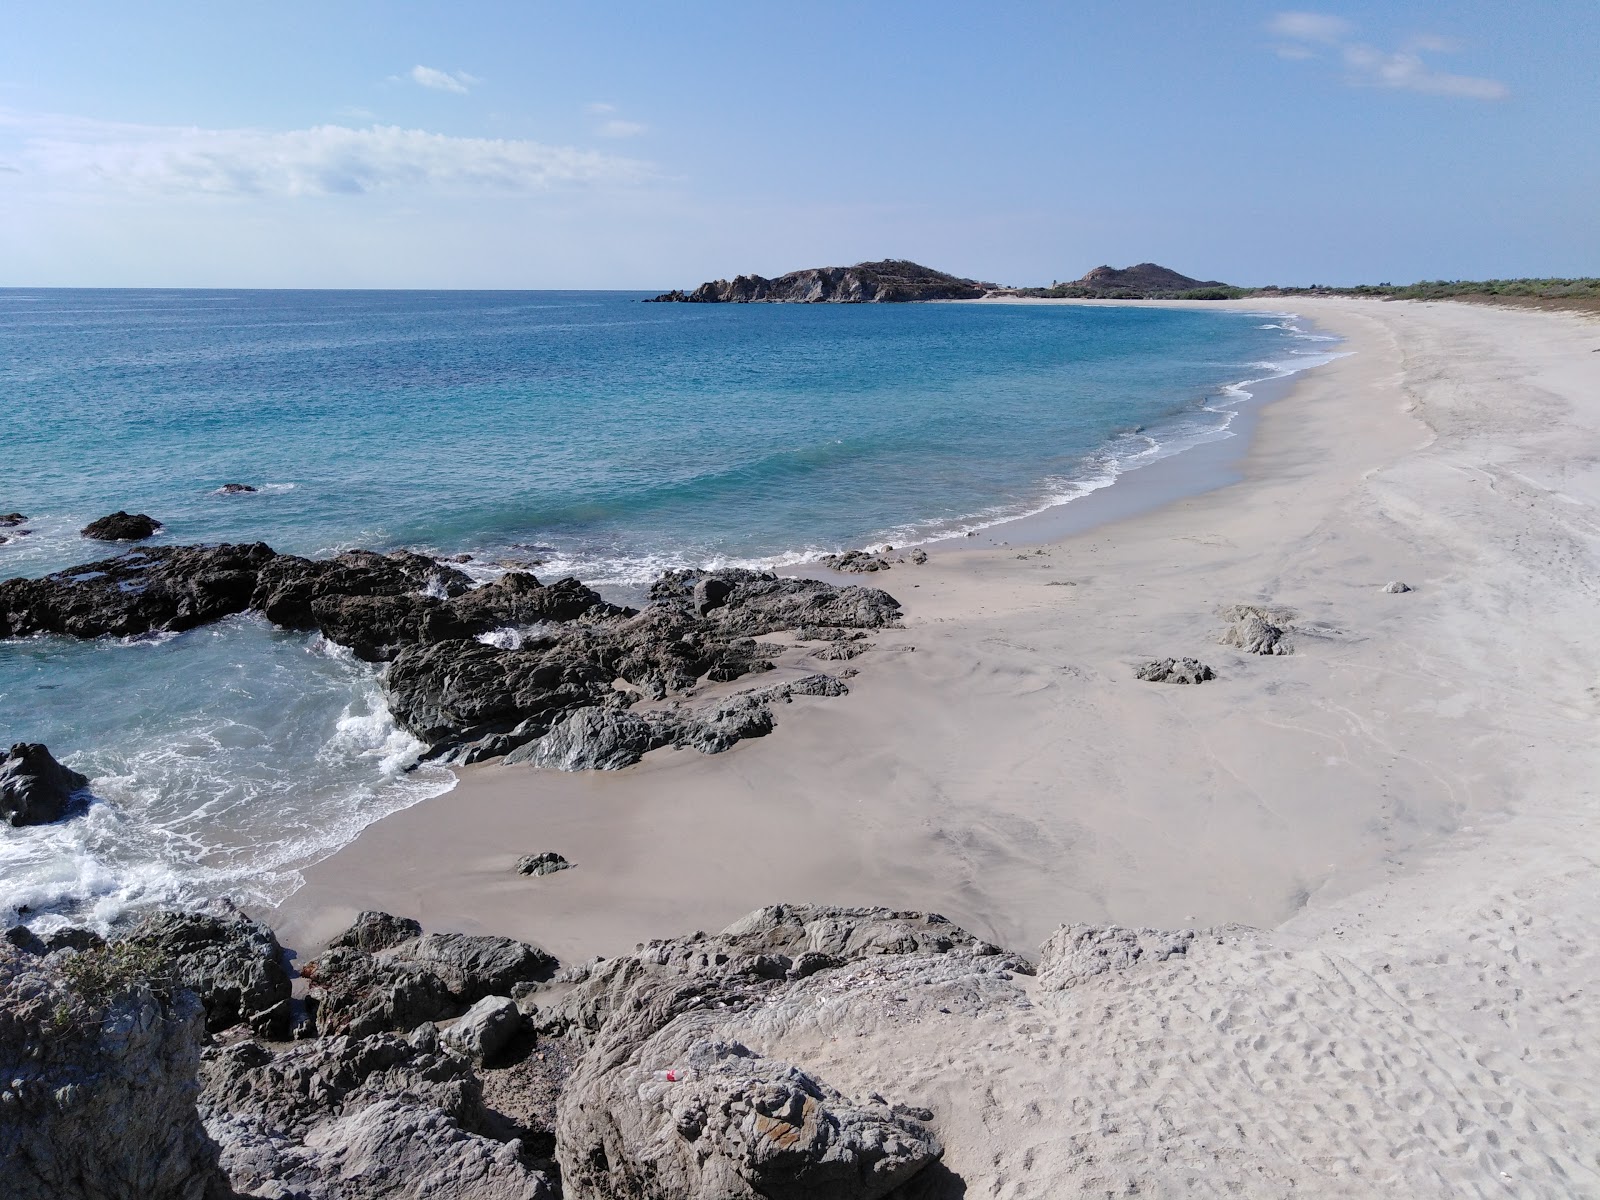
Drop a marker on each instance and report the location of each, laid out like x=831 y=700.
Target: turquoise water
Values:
x=589 y=432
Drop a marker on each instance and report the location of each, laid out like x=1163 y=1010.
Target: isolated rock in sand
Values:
x=1257 y=630
x=34 y=788
x=97 y=1086
x=542 y=864
x=234 y=964
x=919 y=556
x=121 y=527
x=485 y=1028
x=1175 y=670
x=854 y=562
x=1395 y=587
x=402 y=983
x=361 y=1118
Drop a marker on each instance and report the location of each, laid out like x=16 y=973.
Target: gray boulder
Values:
x=232 y=963
x=1395 y=587
x=854 y=562
x=1257 y=630
x=547 y=863
x=1175 y=670
x=591 y=739
x=34 y=788
x=485 y=1029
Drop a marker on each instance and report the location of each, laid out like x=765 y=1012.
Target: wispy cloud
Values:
x=1309 y=35
x=621 y=129
x=442 y=81
x=80 y=154
x=599 y=108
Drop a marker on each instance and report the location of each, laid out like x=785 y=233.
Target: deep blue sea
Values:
x=583 y=431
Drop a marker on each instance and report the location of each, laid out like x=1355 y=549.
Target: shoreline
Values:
x=584 y=812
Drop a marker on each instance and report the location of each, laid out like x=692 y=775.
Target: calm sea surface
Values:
x=584 y=431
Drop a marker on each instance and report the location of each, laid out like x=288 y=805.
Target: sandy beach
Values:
x=1401 y=806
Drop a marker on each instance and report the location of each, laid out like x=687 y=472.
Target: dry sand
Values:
x=1403 y=803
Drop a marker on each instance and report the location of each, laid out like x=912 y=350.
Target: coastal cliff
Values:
x=891 y=280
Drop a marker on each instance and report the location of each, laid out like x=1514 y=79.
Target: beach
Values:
x=1400 y=805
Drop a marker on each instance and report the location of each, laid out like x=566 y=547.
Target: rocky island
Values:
x=1144 y=281
x=892 y=280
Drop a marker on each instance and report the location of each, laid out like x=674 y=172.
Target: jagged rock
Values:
x=591 y=739
x=167 y=588
x=710 y=593
x=234 y=964
x=356 y=1118
x=374 y=931
x=485 y=1028
x=919 y=556
x=759 y=602
x=289 y=585
x=1075 y=953
x=34 y=788
x=854 y=562
x=1257 y=630
x=542 y=864
x=1175 y=670
x=728 y=1123
x=404 y=983
x=1395 y=587
x=122 y=527
x=236 y=489
x=887 y=281
x=97 y=1092
x=376 y=627
x=9 y=520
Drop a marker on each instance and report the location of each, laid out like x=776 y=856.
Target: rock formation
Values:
x=547 y=863
x=1257 y=630
x=232 y=963
x=855 y=561
x=1175 y=670
x=1146 y=281
x=891 y=280
x=1395 y=587
x=34 y=788
x=469 y=699
x=122 y=527
x=237 y=489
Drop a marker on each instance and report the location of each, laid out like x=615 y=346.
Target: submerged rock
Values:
x=122 y=527
x=9 y=520
x=237 y=489
x=1175 y=670
x=34 y=788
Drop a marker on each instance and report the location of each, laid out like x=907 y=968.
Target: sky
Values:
x=649 y=145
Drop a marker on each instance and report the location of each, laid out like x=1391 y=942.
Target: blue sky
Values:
x=654 y=145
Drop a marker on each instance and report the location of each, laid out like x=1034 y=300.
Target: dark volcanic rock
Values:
x=34 y=788
x=122 y=527
x=547 y=863
x=1175 y=670
x=236 y=489
x=289 y=586
x=234 y=964
x=854 y=562
x=167 y=588
x=887 y=281
x=8 y=520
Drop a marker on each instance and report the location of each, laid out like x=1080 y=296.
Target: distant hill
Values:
x=892 y=280
x=1147 y=281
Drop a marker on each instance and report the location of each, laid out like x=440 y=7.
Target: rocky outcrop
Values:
x=11 y=520
x=386 y=974
x=1257 y=630
x=361 y=1118
x=98 y=1083
x=1175 y=670
x=237 y=489
x=34 y=788
x=888 y=281
x=1076 y=953
x=157 y=588
x=122 y=527
x=662 y=1105
x=232 y=963
x=465 y=692
x=855 y=562
x=1145 y=281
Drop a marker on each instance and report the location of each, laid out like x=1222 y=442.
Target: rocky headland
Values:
x=891 y=280
x=1144 y=281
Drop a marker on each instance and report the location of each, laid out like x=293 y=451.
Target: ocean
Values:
x=580 y=433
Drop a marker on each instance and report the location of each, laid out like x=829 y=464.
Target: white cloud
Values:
x=622 y=129
x=442 y=81
x=1309 y=35
x=327 y=160
x=600 y=109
